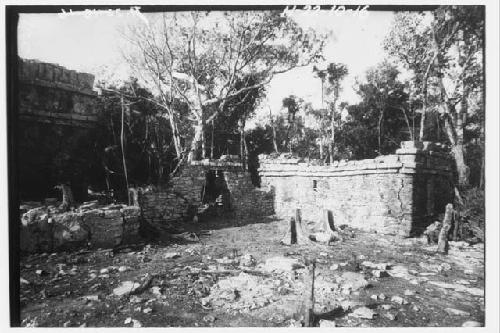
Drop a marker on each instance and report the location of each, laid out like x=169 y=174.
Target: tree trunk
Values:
x=275 y=144
x=380 y=118
x=463 y=171
x=243 y=144
x=197 y=145
x=212 y=142
x=332 y=142
x=457 y=149
x=332 y=128
x=422 y=118
x=321 y=153
x=122 y=144
x=481 y=176
x=175 y=135
x=454 y=122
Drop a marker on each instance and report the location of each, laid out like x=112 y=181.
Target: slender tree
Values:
x=336 y=73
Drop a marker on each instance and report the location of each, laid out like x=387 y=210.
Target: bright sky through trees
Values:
x=89 y=43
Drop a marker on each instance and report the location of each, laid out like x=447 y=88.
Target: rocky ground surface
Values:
x=236 y=273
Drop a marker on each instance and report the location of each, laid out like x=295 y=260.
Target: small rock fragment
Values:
x=91 y=297
x=398 y=300
x=247 y=260
x=390 y=316
x=386 y=306
x=155 y=290
x=444 y=267
x=171 y=255
x=209 y=318
x=409 y=292
x=379 y=273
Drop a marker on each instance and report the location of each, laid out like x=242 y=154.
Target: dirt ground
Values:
x=238 y=274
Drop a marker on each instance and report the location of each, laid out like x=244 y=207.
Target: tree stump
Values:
x=296 y=233
x=291 y=233
x=302 y=234
x=67 y=197
x=443 y=235
x=327 y=222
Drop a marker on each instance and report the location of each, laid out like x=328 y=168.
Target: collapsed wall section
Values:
x=46 y=228
x=182 y=199
x=392 y=194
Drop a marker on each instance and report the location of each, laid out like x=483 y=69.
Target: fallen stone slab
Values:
x=471 y=323
x=363 y=313
x=125 y=288
x=459 y=287
x=456 y=312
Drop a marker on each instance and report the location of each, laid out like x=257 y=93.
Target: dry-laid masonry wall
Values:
x=46 y=229
x=394 y=194
x=171 y=205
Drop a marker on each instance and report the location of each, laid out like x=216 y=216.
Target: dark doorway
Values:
x=215 y=191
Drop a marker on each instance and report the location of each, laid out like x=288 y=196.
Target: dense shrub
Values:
x=472 y=215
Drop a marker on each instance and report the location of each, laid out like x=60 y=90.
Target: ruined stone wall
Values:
x=393 y=194
x=54 y=94
x=56 y=117
x=45 y=229
x=178 y=202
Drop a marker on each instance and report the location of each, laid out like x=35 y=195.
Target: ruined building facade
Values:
x=394 y=194
x=54 y=128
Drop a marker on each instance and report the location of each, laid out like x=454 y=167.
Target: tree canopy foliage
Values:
x=205 y=59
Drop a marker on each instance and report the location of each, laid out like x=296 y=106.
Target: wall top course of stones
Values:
x=406 y=161
x=55 y=76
